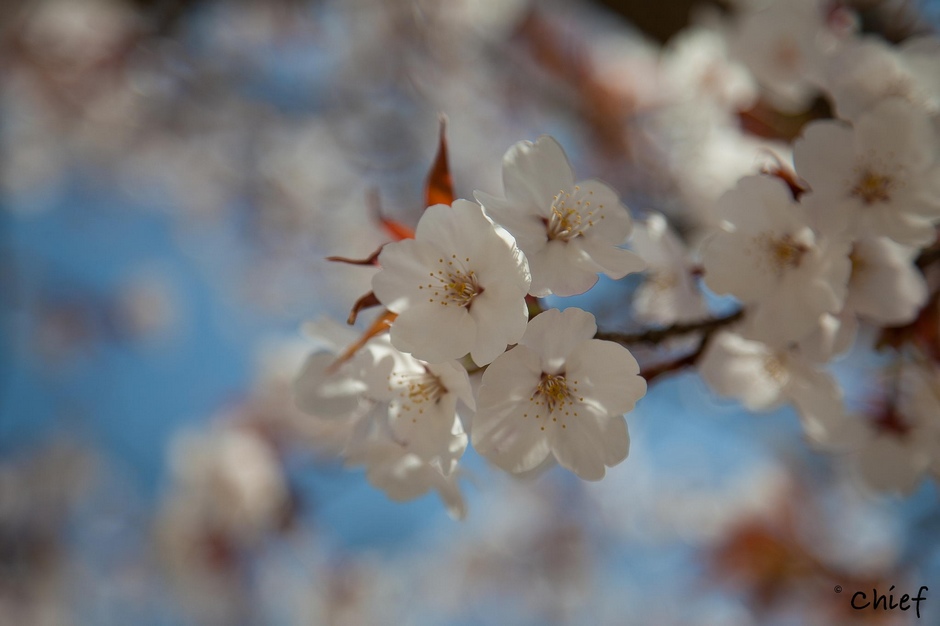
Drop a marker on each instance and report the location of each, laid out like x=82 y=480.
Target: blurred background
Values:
x=174 y=174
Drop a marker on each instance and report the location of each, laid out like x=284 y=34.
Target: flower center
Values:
x=567 y=220
x=426 y=388
x=783 y=252
x=420 y=388
x=455 y=285
x=462 y=288
x=775 y=368
x=553 y=389
x=872 y=187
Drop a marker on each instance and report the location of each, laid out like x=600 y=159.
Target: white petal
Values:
x=555 y=334
x=589 y=444
x=426 y=428
x=735 y=367
x=613 y=261
x=885 y=286
x=559 y=268
x=501 y=314
x=458 y=229
x=534 y=173
x=505 y=430
x=731 y=269
x=321 y=392
x=526 y=227
x=402 y=281
x=825 y=156
x=610 y=221
x=899 y=131
x=434 y=333
x=607 y=376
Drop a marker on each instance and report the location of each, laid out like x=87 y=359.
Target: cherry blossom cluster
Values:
x=840 y=238
x=813 y=238
x=457 y=297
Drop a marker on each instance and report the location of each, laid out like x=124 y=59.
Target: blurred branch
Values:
x=655 y=336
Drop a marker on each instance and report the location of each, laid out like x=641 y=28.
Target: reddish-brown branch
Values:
x=656 y=336
x=652 y=372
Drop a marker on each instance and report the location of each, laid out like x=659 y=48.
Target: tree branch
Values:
x=656 y=336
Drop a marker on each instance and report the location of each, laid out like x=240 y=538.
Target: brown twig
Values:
x=656 y=336
x=652 y=372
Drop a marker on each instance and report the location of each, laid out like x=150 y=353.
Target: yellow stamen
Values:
x=872 y=187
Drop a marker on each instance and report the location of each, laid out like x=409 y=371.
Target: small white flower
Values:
x=697 y=67
x=866 y=71
x=418 y=399
x=347 y=390
x=670 y=293
x=878 y=178
x=559 y=392
x=569 y=232
x=885 y=287
x=404 y=475
x=764 y=378
x=894 y=448
x=231 y=479
x=423 y=405
x=393 y=414
x=769 y=258
x=783 y=45
x=458 y=287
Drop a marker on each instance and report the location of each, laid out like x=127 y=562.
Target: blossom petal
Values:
x=402 y=280
x=896 y=128
x=434 y=333
x=455 y=229
x=505 y=429
x=534 y=172
x=607 y=374
x=526 y=227
x=590 y=443
x=825 y=156
x=560 y=269
x=610 y=260
x=610 y=220
x=556 y=334
x=501 y=314
x=738 y=368
x=325 y=394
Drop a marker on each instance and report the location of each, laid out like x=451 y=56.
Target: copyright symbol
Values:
x=838 y=589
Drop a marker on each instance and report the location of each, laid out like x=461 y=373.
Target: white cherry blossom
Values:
x=230 y=479
x=764 y=378
x=893 y=447
x=569 y=232
x=559 y=392
x=879 y=177
x=869 y=70
x=670 y=293
x=769 y=257
x=783 y=45
x=423 y=405
x=392 y=413
x=885 y=287
x=458 y=287
x=403 y=475
x=697 y=66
